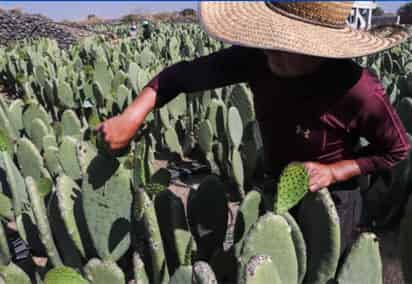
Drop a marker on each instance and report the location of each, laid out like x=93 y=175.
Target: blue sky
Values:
x=60 y=10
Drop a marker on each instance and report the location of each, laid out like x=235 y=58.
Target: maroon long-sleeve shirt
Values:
x=317 y=117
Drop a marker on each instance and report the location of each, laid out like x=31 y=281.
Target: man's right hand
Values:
x=119 y=130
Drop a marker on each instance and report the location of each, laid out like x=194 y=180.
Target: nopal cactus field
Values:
x=99 y=217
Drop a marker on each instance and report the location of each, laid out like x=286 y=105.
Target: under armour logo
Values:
x=304 y=133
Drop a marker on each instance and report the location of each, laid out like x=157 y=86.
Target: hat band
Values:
x=318 y=16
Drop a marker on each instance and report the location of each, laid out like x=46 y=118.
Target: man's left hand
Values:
x=320 y=175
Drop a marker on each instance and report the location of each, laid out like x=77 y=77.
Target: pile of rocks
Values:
x=15 y=25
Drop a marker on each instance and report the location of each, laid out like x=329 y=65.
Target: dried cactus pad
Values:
x=292 y=187
x=64 y=275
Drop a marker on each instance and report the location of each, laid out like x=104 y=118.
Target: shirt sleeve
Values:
x=225 y=67
x=379 y=123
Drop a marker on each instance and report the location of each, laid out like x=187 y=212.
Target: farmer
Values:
x=312 y=102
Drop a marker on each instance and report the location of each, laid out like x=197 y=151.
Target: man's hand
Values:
x=320 y=175
x=324 y=175
x=117 y=131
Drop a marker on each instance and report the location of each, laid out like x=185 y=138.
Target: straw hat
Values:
x=312 y=28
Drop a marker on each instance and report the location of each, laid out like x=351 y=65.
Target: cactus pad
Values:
x=363 y=262
x=203 y=273
x=71 y=124
x=271 y=236
x=107 y=200
x=316 y=214
x=104 y=272
x=29 y=158
x=68 y=159
x=64 y=275
x=14 y=274
x=260 y=269
x=182 y=276
x=292 y=187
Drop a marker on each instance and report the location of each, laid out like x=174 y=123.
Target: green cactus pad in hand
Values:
x=64 y=275
x=292 y=187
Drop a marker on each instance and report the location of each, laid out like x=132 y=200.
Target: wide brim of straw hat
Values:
x=254 y=24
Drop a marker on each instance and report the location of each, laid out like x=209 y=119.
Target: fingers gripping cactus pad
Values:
x=64 y=275
x=292 y=187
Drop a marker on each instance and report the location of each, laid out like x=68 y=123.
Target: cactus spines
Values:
x=67 y=157
x=42 y=222
x=64 y=275
x=104 y=272
x=300 y=246
x=271 y=236
x=106 y=199
x=292 y=187
x=260 y=269
x=235 y=127
x=247 y=216
x=182 y=276
x=29 y=158
x=363 y=263
x=145 y=211
x=140 y=275
x=205 y=136
x=68 y=193
x=203 y=273
x=71 y=124
x=317 y=213
x=14 y=274
x=208 y=223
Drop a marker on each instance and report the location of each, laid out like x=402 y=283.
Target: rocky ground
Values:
x=15 y=26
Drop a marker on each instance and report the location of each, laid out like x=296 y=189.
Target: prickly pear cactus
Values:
x=203 y=273
x=145 y=211
x=235 y=127
x=64 y=275
x=14 y=274
x=42 y=222
x=106 y=199
x=247 y=215
x=67 y=157
x=242 y=99
x=172 y=141
x=171 y=217
x=318 y=214
x=71 y=124
x=140 y=275
x=40 y=131
x=271 y=236
x=5 y=256
x=300 y=246
x=363 y=263
x=207 y=214
x=260 y=269
x=292 y=187
x=182 y=276
x=104 y=272
x=5 y=143
x=29 y=158
x=68 y=195
x=205 y=136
